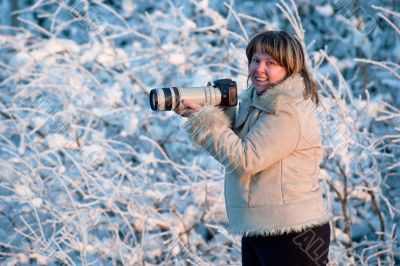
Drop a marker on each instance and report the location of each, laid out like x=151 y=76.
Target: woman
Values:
x=271 y=149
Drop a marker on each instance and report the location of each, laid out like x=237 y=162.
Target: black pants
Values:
x=309 y=247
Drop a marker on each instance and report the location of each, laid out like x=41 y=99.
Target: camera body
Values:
x=223 y=92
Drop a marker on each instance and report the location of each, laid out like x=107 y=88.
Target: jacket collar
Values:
x=292 y=89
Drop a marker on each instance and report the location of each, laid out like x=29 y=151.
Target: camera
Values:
x=223 y=92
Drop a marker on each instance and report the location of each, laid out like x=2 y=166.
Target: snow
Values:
x=93 y=155
x=37 y=202
x=113 y=95
x=21 y=59
x=128 y=6
x=130 y=124
x=90 y=175
x=177 y=58
x=91 y=53
x=23 y=191
x=325 y=10
x=58 y=141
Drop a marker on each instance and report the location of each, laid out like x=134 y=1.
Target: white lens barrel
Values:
x=167 y=99
x=207 y=95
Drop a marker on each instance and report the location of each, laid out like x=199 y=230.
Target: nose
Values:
x=260 y=68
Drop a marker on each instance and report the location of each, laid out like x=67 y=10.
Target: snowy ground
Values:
x=89 y=175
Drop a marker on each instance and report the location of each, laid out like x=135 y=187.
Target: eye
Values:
x=255 y=60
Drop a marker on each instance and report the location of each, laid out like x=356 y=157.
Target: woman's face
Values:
x=265 y=71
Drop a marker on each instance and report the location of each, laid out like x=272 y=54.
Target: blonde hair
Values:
x=288 y=52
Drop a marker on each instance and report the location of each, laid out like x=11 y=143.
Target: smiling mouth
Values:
x=261 y=79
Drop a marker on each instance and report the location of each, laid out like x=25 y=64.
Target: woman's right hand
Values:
x=190 y=109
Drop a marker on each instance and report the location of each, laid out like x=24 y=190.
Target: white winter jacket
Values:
x=271 y=150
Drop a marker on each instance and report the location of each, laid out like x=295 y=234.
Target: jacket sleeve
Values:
x=269 y=140
x=230 y=112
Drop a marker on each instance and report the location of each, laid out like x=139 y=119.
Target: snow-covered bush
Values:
x=90 y=175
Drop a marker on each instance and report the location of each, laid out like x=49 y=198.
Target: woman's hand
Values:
x=191 y=108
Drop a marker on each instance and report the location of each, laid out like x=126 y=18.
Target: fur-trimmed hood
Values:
x=290 y=89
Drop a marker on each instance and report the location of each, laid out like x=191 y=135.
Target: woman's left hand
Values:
x=191 y=108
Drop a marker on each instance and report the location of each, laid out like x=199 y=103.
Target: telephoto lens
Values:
x=223 y=92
